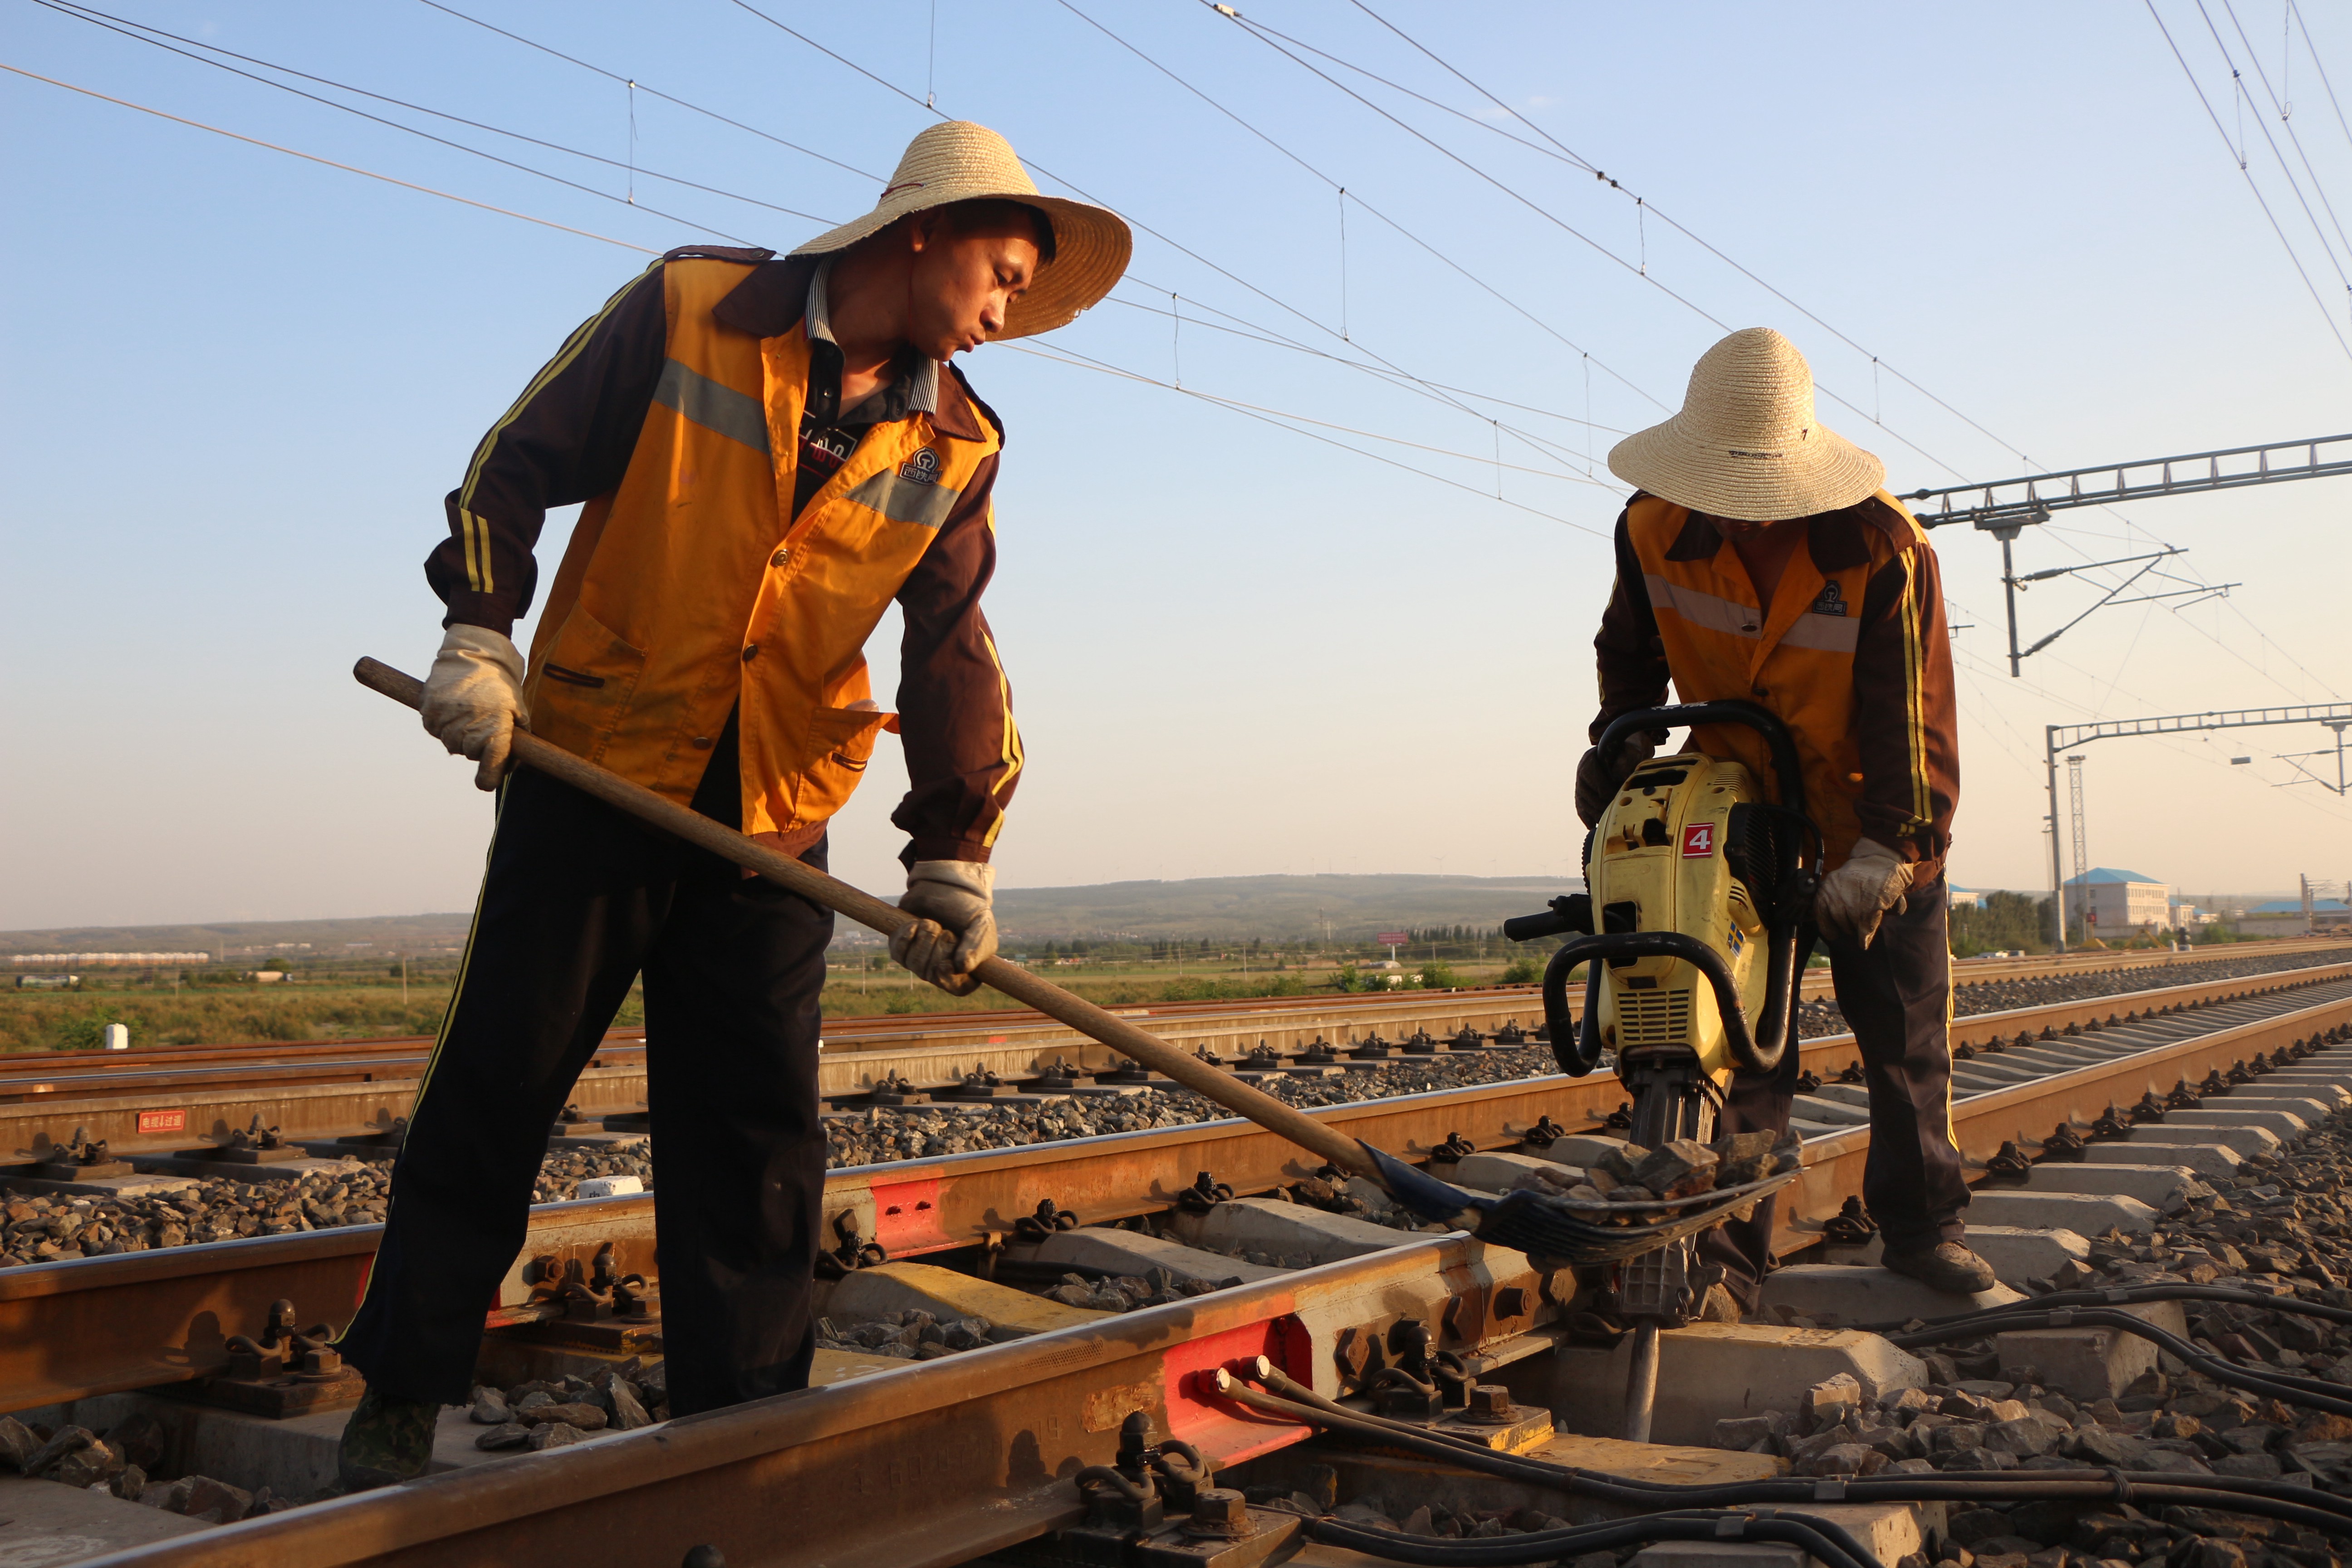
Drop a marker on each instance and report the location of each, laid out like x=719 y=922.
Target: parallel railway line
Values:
x=941 y=1462
x=178 y=1100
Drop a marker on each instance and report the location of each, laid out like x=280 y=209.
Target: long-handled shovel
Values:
x=1523 y=1220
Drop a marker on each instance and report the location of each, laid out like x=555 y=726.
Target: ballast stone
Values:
x=611 y=1186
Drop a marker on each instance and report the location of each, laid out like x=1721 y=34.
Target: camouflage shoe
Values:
x=387 y=1441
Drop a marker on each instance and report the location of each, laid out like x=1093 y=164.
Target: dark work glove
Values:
x=1598 y=777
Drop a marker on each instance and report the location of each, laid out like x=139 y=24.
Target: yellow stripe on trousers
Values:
x=448 y=1017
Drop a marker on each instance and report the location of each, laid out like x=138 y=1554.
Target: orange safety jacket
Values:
x=690 y=590
x=1853 y=657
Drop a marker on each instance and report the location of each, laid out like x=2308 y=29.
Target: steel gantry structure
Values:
x=2006 y=507
x=2061 y=738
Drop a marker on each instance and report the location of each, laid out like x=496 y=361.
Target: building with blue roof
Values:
x=2112 y=903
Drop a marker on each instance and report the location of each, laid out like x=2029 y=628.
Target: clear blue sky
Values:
x=239 y=383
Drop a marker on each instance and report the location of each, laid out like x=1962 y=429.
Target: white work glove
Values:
x=957 y=928
x=473 y=700
x=1856 y=896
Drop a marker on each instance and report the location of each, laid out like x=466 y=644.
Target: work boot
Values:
x=385 y=1442
x=1948 y=1266
x=1719 y=1306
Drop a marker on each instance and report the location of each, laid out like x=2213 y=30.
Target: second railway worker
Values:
x=1761 y=560
x=771 y=451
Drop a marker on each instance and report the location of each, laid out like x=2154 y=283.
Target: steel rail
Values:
x=937 y=1463
x=85 y=1326
x=868 y=1031
x=209 y=1109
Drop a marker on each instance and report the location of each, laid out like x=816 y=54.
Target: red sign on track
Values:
x=1698 y=841
x=163 y=1120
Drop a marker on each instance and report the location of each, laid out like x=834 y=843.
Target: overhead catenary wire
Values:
x=126 y=29
x=1084 y=194
x=1275 y=418
x=1271 y=336
x=332 y=164
x=1345 y=195
x=1645 y=203
x=689 y=106
x=2320 y=66
x=1639 y=269
x=2279 y=105
x=2260 y=200
x=2286 y=169
x=1570 y=155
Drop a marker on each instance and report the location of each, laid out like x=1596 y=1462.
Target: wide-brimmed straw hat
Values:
x=1746 y=443
x=956 y=160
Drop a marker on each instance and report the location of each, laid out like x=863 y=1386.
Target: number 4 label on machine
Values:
x=1698 y=841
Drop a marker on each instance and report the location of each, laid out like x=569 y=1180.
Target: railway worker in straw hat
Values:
x=1760 y=559
x=771 y=451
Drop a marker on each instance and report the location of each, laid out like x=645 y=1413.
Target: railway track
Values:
x=165 y=1109
x=946 y=1460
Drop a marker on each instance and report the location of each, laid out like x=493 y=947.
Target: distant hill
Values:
x=229 y=940
x=1352 y=908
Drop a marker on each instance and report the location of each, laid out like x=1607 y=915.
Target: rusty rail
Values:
x=91 y=1326
x=938 y=1462
x=615 y=1081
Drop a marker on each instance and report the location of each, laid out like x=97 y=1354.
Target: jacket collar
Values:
x=1835 y=539
x=774 y=297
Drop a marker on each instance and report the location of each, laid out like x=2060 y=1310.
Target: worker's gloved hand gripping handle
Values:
x=954 y=901
x=473 y=700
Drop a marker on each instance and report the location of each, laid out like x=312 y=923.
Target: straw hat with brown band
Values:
x=956 y=160
x=1747 y=445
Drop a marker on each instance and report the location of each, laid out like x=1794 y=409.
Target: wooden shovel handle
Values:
x=1210 y=1082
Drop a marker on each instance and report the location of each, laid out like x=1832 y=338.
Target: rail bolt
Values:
x=1490 y=1402
x=1220 y=1513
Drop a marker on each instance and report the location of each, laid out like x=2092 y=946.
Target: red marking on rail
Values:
x=906 y=1217
x=163 y=1120
x=1229 y=1433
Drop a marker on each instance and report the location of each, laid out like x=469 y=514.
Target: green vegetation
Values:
x=319 y=1002
x=2003 y=922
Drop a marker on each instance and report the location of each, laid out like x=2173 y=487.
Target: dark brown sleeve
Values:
x=955 y=706
x=1633 y=656
x=1905 y=717
x=567 y=438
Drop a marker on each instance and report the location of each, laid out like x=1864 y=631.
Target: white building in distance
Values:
x=2112 y=903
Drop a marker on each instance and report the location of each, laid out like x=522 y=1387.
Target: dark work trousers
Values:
x=578 y=900
x=1896 y=995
